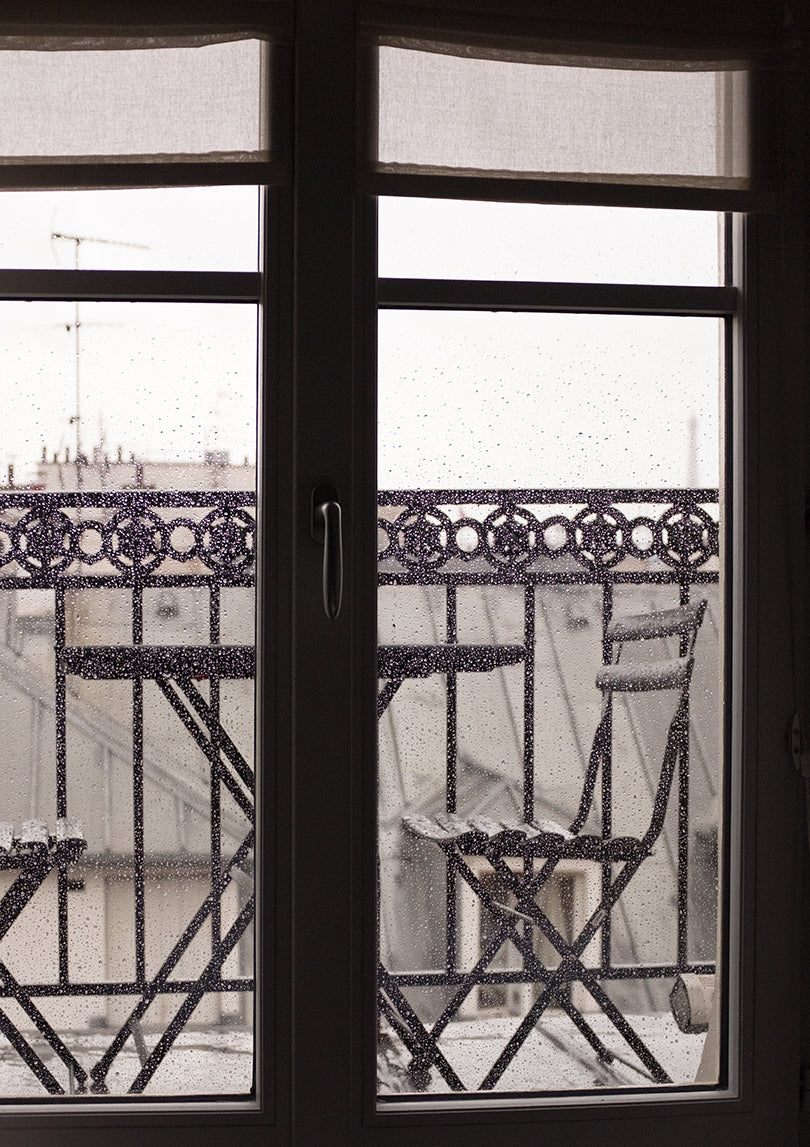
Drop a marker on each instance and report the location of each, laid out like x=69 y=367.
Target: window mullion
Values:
x=131 y=286
x=579 y=298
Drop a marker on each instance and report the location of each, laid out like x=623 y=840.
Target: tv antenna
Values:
x=77 y=240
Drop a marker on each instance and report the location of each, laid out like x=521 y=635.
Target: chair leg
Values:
x=29 y=1056
x=423 y=1043
x=212 y=970
x=543 y=976
x=16 y=991
x=506 y=930
x=32 y=874
x=98 y=1072
x=419 y=1036
x=572 y=965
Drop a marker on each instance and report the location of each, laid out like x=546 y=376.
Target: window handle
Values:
x=327 y=530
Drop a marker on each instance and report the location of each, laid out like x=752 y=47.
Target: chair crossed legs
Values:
x=33 y=855
x=151 y=1061
x=526 y=844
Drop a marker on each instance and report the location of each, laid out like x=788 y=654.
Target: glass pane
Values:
x=444 y=113
x=164 y=103
x=160 y=229
x=127 y=522
x=448 y=239
x=170 y=384
x=550 y=769
x=515 y=400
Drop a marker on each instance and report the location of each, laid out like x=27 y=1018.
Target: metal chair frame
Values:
x=34 y=855
x=496 y=842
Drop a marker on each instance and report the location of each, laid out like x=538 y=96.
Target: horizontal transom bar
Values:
x=578 y=298
x=131 y=286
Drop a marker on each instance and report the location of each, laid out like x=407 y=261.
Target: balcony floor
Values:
x=555 y=1057
x=213 y=1062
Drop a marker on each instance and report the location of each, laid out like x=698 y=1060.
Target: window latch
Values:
x=327 y=530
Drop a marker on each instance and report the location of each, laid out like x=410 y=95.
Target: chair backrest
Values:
x=643 y=677
x=683 y=621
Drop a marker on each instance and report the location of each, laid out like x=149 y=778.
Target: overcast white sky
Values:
x=509 y=400
x=465 y=399
x=162 y=381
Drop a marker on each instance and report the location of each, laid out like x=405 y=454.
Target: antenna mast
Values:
x=77 y=240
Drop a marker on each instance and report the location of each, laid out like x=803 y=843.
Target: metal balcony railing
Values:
x=168 y=628
x=562 y=559
x=118 y=598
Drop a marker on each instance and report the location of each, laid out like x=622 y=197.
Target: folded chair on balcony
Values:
x=33 y=855
x=539 y=841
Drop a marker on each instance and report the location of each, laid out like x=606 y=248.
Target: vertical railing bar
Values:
x=528 y=704
x=215 y=598
x=62 y=914
x=451 y=766
x=451 y=955
x=137 y=791
x=137 y=611
x=607 y=771
x=216 y=803
x=60 y=628
x=60 y=700
x=452 y=731
x=683 y=814
x=529 y=608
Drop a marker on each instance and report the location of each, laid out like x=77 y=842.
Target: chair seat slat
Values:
x=621 y=678
x=661 y=623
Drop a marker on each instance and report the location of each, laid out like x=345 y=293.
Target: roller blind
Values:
x=441 y=111
x=678 y=99
x=157 y=100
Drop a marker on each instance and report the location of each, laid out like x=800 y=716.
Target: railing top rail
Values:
x=46 y=539
x=641 y=533
x=638 y=532
x=114 y=499
x=552 y=496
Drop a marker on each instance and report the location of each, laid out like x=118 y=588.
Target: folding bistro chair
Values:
x=33 y=855
x=620 y=858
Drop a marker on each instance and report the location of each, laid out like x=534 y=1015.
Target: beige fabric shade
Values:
x=74 y=103
x=447 y=111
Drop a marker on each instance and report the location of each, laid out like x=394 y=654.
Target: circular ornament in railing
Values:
x=45 y=541
x=642 y=538
x=90 y=542
x=510 y=534
x=422 y=537
x=600 y=536
x=469 y=539
x=136 y=541
x=688 y=536
x=183 y=539
x=556 y=536
x=226 y=539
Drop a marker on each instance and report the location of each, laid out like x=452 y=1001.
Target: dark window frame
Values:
x=317 y=729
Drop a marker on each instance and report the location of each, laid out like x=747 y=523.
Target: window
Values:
x=528 y=505
x=316 y=930
x=130 y=554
